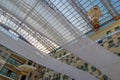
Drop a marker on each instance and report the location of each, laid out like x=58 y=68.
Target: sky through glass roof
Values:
x=58 y=20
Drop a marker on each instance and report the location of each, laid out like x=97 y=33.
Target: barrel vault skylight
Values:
x=48 y=24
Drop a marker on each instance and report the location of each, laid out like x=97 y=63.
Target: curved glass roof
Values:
x=48 y=24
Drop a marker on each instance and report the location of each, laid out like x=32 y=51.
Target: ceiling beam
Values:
x=61 y=18
x=80 y=11
x=21 y=19
x=31 y=53
x=107 y=4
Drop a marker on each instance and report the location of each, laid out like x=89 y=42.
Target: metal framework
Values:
x=61 y=18
x=109 y=7
x=81 y=11
x=49 y=24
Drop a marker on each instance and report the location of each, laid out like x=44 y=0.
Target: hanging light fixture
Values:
x=94 y=14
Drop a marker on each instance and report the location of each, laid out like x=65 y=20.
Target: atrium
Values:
x=59 y=39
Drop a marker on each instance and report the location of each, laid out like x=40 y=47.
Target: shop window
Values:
x=8 y=73
x=4 y=71
x=18 y=63
x=30 y=62
x=13 y=75
x=119 y=40
x=108 y=32
x=111 y=44
x=105 y=77
x=14 y=62
x=117 y=28
x=93 y=69
x=11 y=60
x=5 y=55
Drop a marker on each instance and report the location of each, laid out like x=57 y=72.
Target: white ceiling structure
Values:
x=50 y=24
x=26 y=50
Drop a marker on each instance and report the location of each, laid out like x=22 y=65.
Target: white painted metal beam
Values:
x=33 y=54
x=94 y=54
x=91 y=52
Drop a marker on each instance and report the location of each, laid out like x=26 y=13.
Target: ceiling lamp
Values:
x=94 y=14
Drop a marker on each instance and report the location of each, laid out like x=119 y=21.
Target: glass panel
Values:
x=11 y=60
x=116 y=5
x=86 y=7
x=4 y=71
x=28 y=35
x=5 y=55
x=13 y=75
x=69 y=13
x=14 y=62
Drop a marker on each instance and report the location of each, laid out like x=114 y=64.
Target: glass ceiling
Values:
x=68 y=11
x=42 y=21
x=18 y=29
x=76 y=19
